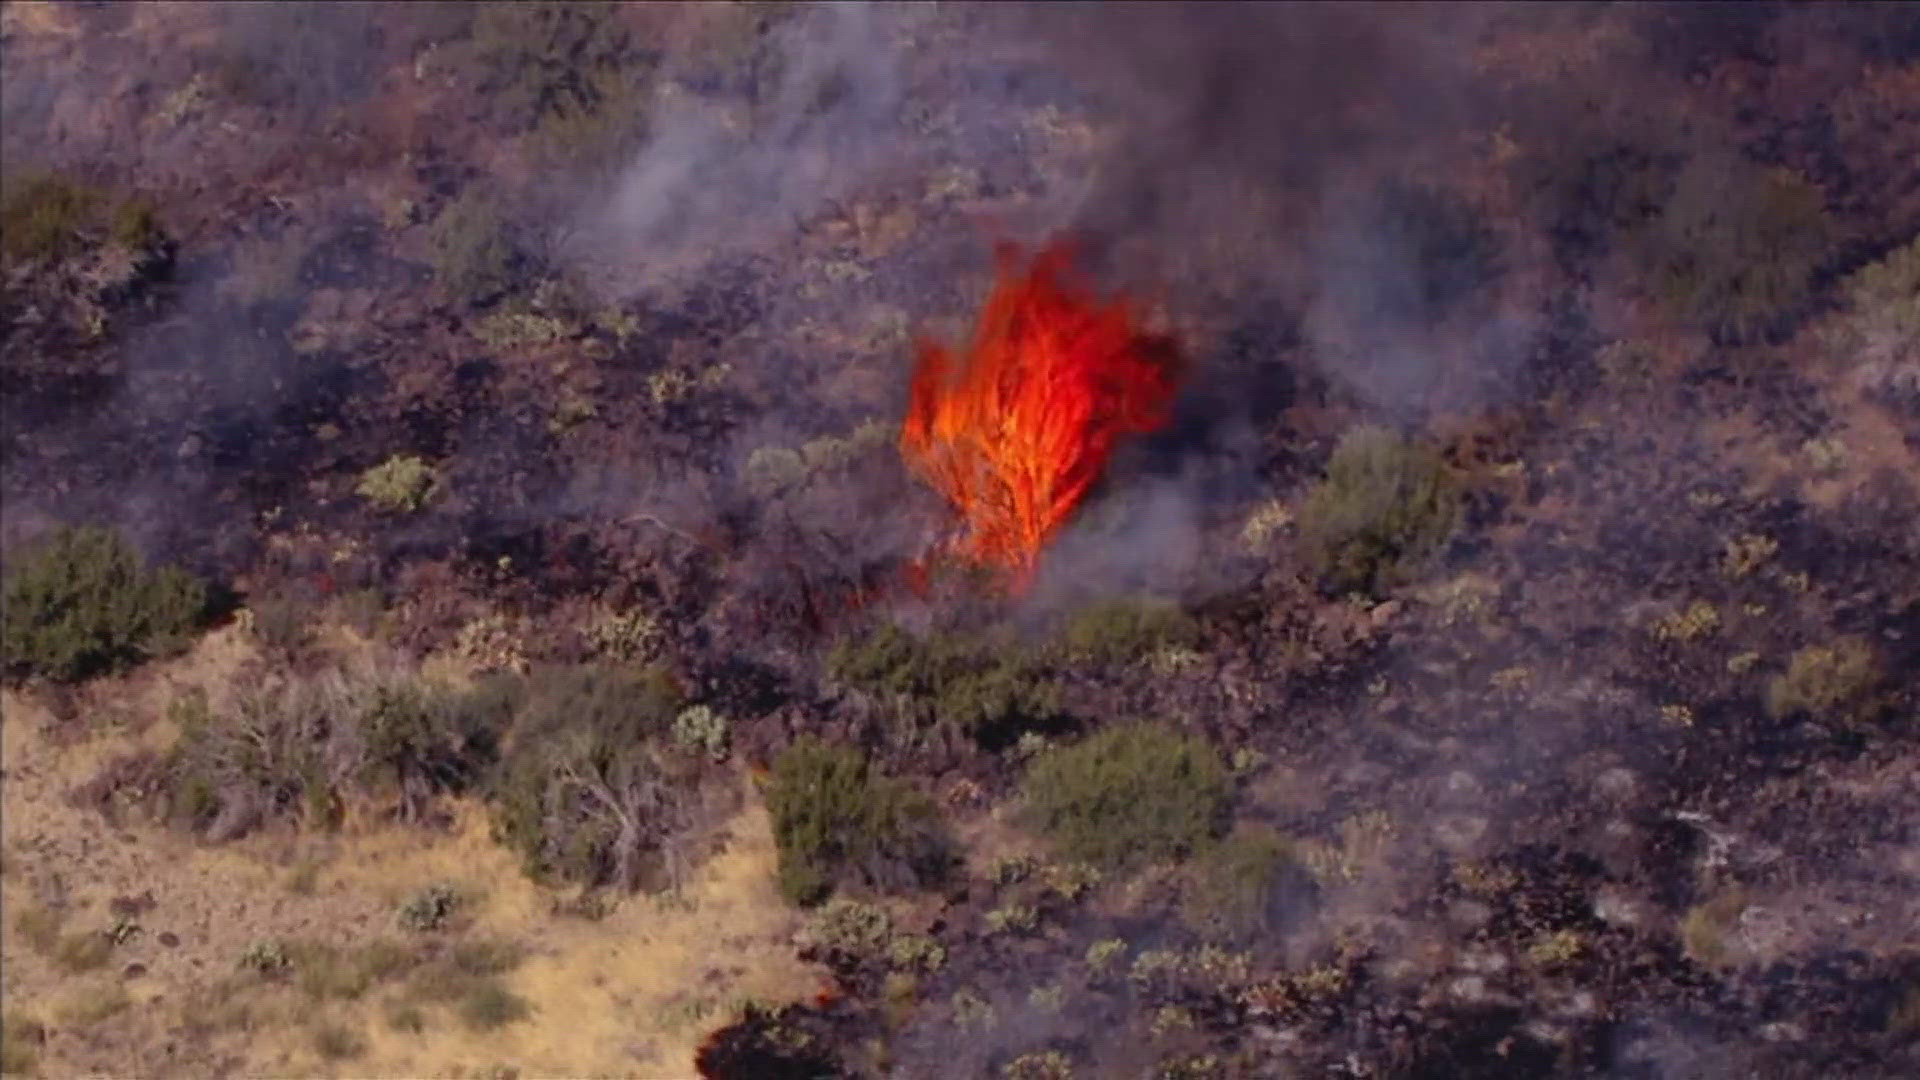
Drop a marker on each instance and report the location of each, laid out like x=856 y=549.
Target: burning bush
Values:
x=1016 y=430
x=1129 y=795
x=837 y=820
x=82 y=604
x=1386 y=503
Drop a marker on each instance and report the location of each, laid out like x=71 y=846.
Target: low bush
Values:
x=474 y=249
x=83 y=603
x=1126 y=631
x=838 y=821
x=401 y=484
x=594 y=789
x=1836 y=682
x=992 y=691
x=45 y=216
x=48 y=216
x=430 y=909
x=1129 y=795
x=305 y=745
x=490 y=1005
x=849 y=933
x=1242 y=888
x=21 y=1038
x=1877 y=332
x=1386 y=504
x=336 y=1043
x=1735 y=246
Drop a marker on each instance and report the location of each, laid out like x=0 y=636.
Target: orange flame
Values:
x=1017 y=430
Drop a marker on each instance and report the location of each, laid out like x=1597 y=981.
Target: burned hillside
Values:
x=749 y=540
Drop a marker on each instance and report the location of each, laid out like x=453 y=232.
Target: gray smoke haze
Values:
x=715 y=180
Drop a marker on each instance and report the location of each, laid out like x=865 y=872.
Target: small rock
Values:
x=134 y=971
x=170 y=939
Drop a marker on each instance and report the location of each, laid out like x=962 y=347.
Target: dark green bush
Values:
x=475 y=250
x=1386 y=504
x=1829 y=682
x=1129 y=795
x=837 y=821
x=1242 y=887
x=1735 y=246
x=82 y=603
x=993 y=691
x=591 y=789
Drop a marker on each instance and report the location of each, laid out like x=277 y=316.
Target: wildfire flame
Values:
x=1015 y=431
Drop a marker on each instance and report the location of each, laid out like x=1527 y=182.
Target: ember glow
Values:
x=1017 y=429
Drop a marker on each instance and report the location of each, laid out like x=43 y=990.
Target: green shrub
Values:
x=1126 y=631
x=591 y=790
x=430 y=909
x=699 y=728
x=265 y=958
x=424 y=740
x=990 y=690
x=851 y=931
x=836 y=820
x=1240 y=887
x=1830 y=682
x=82 y=603
x=490 y=1005
x=21 y=1037
x=401 y=484
x=336 y=1043
x=1385 y=505
x=46 y=216
x=474 y=250
x=1735 y=246
x=406 y=1018
x=1878 y=330
x=1128 y=795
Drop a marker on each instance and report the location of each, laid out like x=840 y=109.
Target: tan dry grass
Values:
x=632 y=994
